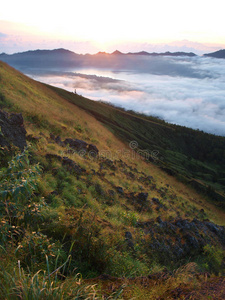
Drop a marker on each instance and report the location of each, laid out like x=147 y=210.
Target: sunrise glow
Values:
x=104 y=24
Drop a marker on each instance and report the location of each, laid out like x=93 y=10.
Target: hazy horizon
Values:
x=10 y=45
x=154 y=48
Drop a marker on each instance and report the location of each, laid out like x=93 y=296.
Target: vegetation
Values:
x=191 y=155
x=128 y=227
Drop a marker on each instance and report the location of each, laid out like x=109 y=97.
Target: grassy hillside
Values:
x=66 y=211
x=193 y=156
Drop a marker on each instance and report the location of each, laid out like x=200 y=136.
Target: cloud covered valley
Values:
x=189 y=91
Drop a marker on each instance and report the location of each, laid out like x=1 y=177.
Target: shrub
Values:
x=123 y=264
x=34 y=248
x=17 y=184
x=213 y=257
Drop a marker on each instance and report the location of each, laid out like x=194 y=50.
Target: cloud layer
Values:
x=184 y=91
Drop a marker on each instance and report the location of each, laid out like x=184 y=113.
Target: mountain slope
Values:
x=217 y=54
x=94 y=205
x=194 y=156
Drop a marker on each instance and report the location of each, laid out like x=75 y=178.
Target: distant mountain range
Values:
x=62 y=58
x=40 y=61
x=155 y=53
x=64 y=53
x=70 y=54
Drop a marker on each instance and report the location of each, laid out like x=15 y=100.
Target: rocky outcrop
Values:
x=77 y=145
x=70 y=165
x=12 y=130
x=180 y=238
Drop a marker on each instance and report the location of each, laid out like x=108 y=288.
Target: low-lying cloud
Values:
x=184 y=91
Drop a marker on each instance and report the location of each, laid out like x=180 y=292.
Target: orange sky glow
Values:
x=90 y=26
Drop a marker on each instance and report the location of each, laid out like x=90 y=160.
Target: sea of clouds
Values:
x=188 y=91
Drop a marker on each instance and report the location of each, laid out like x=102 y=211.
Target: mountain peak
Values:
x=117 y=52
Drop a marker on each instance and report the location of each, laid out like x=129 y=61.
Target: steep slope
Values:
x=193 y=156
x=97 y=205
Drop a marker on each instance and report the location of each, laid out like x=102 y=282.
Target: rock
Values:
x=99 y=189
x=52 y=136
x=76 y=144
x=183 y=224
x=92 y=150
x=108 y=163
x=159 y=220
x=72 y=166
x=180 y=238
x=120 y=190
x=58 y=139
x=139 y=200
x=129 y=240
x=80 y=146
x=128 y=235
x=212 y=227
x=12 y=130
x=156 y=200
x=142 y=197
x=191 y=241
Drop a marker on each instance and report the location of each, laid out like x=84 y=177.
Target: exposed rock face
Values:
x=78 y=145
x=12 y=130
x=180 y=238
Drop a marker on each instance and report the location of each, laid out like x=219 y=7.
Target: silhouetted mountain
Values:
x=42 y=60
x=139 y=53
x=190 y=54
x=117 y=52
x=178 y=54
x=217 y=54
x=63 y=54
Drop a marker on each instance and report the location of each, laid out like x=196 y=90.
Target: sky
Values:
x=89 y=26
